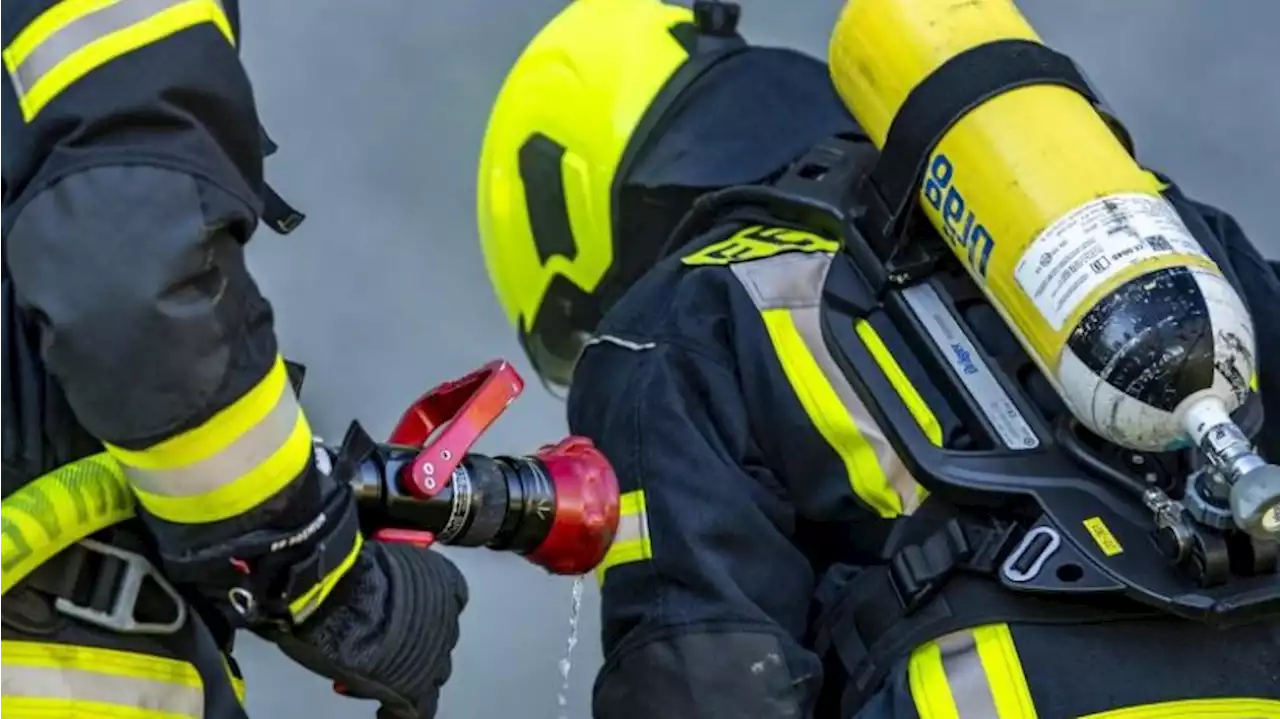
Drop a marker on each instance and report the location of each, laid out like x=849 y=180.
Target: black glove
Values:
x=387 y=631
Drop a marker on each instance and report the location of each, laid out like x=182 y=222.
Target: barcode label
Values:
x=1159 y=243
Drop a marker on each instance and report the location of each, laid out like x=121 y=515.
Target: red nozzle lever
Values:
x=469 y=405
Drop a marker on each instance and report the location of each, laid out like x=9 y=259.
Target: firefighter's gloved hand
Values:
x=387 y=631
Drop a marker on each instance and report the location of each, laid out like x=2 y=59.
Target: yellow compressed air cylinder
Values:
x=1070 y=239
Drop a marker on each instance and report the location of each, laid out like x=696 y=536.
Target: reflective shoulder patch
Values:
x=74 y=37
x=757 y=242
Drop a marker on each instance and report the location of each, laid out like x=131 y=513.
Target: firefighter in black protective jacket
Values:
x=749 y=464
x=132 y=179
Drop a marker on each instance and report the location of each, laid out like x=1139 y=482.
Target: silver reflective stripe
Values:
x=80 y=33
x=65 y=684
x=620 y=342
x=791 y=280
x=970 y=688
x=632 y=527
x=247 y=452
x=794 y=281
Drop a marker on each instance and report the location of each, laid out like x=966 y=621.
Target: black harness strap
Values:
x=949 y=93
x=943 y=583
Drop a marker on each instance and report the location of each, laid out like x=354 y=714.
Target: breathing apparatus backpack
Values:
x=1080 y=340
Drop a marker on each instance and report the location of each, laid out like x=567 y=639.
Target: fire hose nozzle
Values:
x=558 y=507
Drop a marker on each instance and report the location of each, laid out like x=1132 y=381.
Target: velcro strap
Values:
x=261 y=576
x=949 y=93
x=302 y=577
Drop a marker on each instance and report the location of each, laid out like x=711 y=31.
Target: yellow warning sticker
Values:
x=757 y=242
x=1107 y=541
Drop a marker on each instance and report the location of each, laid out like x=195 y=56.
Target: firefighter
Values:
x=133 y=166
x=755 y=480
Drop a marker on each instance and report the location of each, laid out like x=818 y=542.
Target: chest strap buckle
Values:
x=918 y=571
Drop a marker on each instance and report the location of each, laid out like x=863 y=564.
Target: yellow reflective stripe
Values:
x=58 y=509
x=303 y=606
x=924 y=416
x=237 y=682
x=829 y=414
x=916 y=405
x=970 y=674
x=631 y=542
x=1005 y=678
x=758 y=242
x=43 y=679
x=41 y=708
x=214 y=435
x=74 y=37
x=239 y=458
x=106 y=661
x=1236 y=708
x=787 y=290
x=928 y=683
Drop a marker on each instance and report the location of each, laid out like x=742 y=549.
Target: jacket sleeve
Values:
x=134 y=184
x=705 y=596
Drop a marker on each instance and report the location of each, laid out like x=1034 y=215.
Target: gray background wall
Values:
x=380 y=107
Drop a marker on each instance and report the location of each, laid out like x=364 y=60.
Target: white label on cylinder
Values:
x=1092 y=244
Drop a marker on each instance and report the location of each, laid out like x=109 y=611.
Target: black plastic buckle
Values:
x=918 y=571
x=117 y=587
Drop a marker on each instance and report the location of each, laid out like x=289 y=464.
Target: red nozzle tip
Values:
x=586 y=514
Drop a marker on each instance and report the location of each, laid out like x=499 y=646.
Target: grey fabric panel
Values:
x=139 y=295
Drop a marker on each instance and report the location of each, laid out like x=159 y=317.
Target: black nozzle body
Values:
x=504 y=503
